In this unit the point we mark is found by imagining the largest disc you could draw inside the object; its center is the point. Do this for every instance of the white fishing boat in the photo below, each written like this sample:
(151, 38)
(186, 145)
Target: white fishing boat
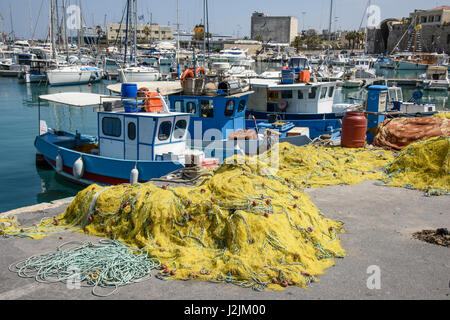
(436, 78)
(73, 75)
(242, 69)
(138, 74)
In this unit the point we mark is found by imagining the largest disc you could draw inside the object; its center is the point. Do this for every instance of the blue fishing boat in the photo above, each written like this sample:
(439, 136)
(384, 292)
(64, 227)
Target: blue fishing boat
(131, 145)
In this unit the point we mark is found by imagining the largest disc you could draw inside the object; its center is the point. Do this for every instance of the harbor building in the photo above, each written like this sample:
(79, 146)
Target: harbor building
(145, 33)
(432, 27)
(274, 29)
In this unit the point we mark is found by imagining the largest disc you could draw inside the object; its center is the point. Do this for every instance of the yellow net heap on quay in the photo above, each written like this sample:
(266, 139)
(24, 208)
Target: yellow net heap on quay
(249, 224)
(424, 165)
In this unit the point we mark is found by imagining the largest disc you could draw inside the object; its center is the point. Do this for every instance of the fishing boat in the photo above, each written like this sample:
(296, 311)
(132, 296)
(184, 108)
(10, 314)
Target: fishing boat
(436, 78)
(74, 75)
(132, 145)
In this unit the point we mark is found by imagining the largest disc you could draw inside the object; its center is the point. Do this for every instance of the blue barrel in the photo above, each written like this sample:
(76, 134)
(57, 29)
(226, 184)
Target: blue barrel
(132, 105)
(287, 76)
(129, 90)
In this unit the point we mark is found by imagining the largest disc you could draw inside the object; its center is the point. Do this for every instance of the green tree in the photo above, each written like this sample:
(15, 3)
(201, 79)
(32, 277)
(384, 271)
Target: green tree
(297, 43)
(259, 38)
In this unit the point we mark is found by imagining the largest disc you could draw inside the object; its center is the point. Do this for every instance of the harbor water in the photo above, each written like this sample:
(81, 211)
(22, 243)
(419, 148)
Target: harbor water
(23, 183)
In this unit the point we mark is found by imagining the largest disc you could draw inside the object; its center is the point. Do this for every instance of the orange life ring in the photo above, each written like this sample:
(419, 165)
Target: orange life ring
(189, 73)
(153, 102)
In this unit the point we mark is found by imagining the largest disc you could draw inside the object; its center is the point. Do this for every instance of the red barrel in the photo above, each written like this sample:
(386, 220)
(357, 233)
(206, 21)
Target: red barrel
(354, 128)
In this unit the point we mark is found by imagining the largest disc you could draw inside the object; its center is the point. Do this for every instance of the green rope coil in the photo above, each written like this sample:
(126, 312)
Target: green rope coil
(108, 264)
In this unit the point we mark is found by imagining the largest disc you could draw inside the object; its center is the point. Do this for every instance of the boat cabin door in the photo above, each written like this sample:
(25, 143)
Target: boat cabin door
(131, 139)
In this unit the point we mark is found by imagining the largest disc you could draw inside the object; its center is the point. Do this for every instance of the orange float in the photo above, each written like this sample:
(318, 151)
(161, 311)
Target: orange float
(153, 102)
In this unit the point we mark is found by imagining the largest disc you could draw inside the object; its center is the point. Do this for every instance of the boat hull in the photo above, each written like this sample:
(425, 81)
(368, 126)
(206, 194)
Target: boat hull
(402, 65)
(97, 169)
(139, 76)
(64, 78)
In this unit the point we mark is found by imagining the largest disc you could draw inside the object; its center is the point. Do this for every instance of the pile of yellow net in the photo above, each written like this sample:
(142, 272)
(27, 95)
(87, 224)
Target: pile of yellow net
(318, 166)
(249, 224)
(424, 165)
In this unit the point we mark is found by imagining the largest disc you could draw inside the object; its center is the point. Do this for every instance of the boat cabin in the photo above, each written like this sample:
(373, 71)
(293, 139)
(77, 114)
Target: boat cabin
(310, 98)
(223, 114)
(142, 135)
(298, 64)
(437, 73)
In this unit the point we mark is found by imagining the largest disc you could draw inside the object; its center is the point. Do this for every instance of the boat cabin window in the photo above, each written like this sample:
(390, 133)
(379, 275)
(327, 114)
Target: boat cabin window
(191, 107)
(111, 127)
(298, 63)
(164, 130)
(300, 94)
(312, 93)
(241, 106)
(330, 92)
(207, 108)
(131, 131)
(179, 106)
(272, 96)
(180, 129)
(229, 108)
(286, 94)
(323, 93)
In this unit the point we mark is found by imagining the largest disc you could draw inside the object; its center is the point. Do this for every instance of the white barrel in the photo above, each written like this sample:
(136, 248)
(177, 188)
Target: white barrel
(78, 168)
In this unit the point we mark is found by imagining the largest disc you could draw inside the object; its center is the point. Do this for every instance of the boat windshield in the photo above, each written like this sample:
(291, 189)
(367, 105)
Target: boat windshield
(298, 63)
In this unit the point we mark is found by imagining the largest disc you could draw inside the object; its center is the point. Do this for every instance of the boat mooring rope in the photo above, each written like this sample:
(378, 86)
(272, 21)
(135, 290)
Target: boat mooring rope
(108, 264)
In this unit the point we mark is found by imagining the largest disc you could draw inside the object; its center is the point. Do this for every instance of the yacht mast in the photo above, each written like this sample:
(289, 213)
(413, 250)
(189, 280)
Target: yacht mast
(135, 32)
(66, 42)
(178, 32)
(204, 28)
(329, 28)
(126, 32)
(52, 27)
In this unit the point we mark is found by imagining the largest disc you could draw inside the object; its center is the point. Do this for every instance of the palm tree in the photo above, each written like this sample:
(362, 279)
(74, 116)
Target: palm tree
(147, 31)
(297, 43)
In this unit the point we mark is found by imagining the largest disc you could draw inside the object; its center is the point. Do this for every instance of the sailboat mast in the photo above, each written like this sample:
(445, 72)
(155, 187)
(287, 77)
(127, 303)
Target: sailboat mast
(135, 32)
(329, 27)
(178, 31)
(126, 32)
(52, 27)
(66, 42)
(204, 27)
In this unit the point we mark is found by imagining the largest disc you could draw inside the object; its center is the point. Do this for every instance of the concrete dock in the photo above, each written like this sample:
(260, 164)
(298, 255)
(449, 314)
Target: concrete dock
(379, 223)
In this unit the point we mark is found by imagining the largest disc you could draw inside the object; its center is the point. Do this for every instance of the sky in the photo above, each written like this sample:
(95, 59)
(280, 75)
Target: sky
(226, 17)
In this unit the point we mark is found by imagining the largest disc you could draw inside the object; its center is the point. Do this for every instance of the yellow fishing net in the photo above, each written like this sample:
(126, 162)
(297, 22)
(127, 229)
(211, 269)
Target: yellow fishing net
(249, 224)
(424, 165)
(442, 115)
(318, 166)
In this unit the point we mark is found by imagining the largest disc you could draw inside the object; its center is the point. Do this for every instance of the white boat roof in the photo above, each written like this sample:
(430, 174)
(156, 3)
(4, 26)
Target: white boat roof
(77, 99)
(149, 114)
(276, 84)
(165, 87)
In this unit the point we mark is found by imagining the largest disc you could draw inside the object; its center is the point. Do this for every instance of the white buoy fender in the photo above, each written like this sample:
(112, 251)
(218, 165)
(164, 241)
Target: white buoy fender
(59, 163)
(78, 168)
(134, 176)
